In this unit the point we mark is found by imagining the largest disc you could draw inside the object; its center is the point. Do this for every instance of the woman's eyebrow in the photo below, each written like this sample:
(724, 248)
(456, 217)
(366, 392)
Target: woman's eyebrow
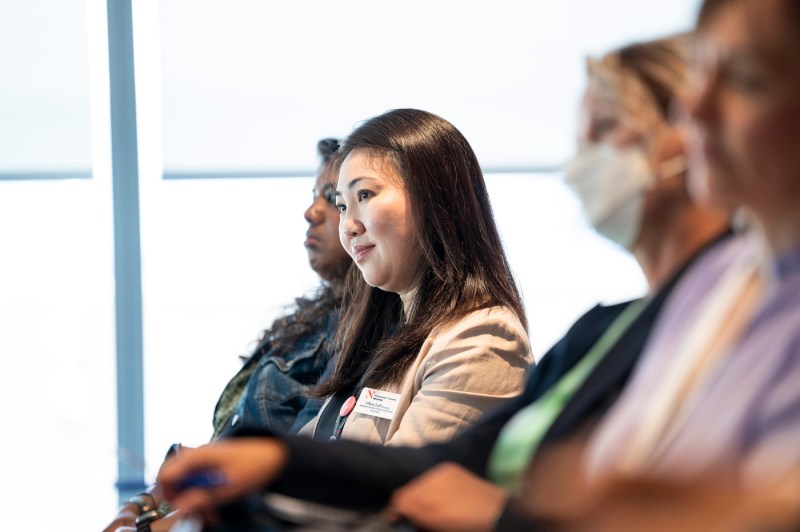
(354, 182)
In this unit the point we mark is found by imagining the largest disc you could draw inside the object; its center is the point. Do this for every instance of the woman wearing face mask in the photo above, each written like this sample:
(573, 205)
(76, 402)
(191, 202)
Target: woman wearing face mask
(457, 497)
(630, 171)
(271, 388)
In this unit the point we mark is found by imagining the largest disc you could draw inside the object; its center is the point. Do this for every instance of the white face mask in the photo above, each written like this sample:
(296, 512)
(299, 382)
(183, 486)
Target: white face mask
(611, 185)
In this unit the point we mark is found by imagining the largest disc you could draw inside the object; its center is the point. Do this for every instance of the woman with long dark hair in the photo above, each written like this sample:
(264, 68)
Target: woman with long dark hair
(433, 320)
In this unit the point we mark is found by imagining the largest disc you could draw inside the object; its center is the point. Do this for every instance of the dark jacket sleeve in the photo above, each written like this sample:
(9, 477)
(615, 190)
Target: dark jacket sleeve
(356, 475)
(352, 474)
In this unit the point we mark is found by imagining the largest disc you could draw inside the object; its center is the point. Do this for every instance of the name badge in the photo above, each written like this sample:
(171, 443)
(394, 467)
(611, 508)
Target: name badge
(377, 403)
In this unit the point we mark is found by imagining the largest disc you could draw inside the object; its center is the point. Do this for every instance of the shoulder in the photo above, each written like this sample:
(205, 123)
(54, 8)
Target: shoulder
(499, 320)
(462, 371)
(489, 330)
(596, 319)
(572, 347)
(706, 271)
(687, 299)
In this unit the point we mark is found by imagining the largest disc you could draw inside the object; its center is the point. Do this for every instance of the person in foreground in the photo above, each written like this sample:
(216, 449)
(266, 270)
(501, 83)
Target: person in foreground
(725, 416)
(668, 232)
(271, 388)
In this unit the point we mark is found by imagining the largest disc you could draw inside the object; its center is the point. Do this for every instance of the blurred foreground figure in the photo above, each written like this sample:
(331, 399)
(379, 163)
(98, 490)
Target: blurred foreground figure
(713, 412)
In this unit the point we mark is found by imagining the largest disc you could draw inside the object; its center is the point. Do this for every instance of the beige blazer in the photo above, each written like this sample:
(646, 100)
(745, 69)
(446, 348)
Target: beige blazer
(460, 372)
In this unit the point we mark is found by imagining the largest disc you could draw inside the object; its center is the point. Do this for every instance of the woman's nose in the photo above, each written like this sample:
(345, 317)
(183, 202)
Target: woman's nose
(314, 214)
(696, 100)
(349, 226)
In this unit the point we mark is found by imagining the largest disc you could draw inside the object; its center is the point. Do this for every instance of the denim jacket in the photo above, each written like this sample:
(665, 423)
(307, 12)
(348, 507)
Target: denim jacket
(270, 389)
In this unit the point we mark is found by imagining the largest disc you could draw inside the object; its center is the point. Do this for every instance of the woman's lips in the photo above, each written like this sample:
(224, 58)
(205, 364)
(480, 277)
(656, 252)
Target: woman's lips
(360, 251)
(311, 240)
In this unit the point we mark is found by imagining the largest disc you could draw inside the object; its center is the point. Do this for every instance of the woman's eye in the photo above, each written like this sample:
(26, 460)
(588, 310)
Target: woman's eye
(330, 197)
(340, 207)
(603, 126)
(746, 82)
(363, 194)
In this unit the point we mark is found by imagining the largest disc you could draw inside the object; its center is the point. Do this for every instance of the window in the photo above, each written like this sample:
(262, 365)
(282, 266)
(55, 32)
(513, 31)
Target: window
(56, 273)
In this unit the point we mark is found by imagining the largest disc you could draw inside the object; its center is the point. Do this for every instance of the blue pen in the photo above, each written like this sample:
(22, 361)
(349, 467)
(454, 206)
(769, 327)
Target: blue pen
(210, 478)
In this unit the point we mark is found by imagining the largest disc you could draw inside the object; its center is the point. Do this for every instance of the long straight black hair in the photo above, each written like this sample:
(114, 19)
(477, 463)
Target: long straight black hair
(464, 265)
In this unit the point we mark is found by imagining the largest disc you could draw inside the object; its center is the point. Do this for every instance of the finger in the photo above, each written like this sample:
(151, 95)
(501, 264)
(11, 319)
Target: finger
(404, 503)
(171, 471)
(389, 514)
(193, 500)
(397, 500)
(175, 470)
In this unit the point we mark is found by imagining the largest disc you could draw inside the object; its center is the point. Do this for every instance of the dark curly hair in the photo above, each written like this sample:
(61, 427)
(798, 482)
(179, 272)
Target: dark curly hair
(327, 148)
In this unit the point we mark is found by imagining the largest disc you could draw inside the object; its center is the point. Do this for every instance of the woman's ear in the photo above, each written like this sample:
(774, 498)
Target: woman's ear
(668, 157)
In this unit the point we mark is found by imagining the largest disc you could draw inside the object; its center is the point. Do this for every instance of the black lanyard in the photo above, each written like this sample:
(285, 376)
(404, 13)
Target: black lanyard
(344, 412)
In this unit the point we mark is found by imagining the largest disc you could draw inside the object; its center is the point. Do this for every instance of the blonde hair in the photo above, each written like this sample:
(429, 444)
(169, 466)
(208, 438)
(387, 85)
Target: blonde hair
(643, 79)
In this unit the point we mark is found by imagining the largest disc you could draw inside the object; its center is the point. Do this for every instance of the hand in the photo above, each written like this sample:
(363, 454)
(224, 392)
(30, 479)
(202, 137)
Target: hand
(245, 465)
(126, 516)
(166, 523)
(450, 498)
